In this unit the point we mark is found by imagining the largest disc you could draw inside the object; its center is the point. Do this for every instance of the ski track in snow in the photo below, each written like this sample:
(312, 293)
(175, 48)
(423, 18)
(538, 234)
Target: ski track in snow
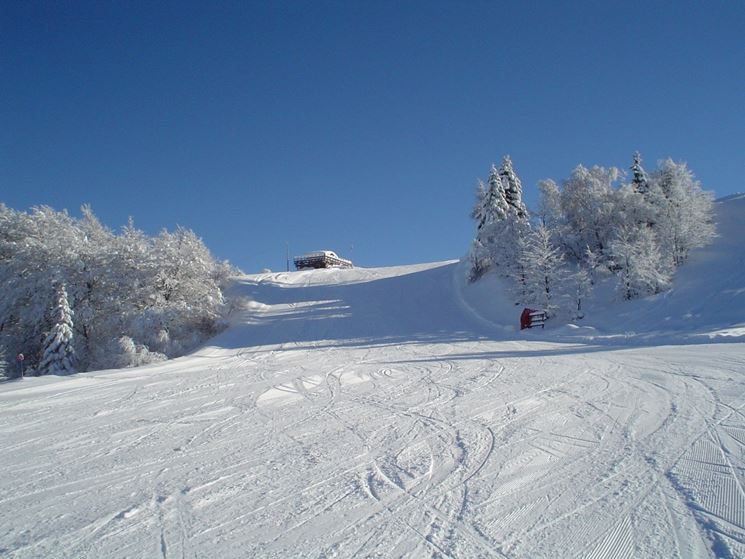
(363, 413)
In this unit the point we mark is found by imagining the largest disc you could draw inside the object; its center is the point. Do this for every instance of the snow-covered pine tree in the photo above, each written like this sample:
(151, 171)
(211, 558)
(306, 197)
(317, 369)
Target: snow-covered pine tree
(491, 204)
(59, 355)
(544, 269)
(635, 201)
(479, 208)
(639, 179)
(513, 189)
(490, 210)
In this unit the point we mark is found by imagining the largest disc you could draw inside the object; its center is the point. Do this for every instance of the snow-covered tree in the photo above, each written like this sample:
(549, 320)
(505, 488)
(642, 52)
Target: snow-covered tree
(639, 179)
(490, 209)
(653, 222)
(589, 210)
(59, 355)
(581, 288)
(491, 204)
(4, 374)
(591, 263)
(479, 260)
(639, 266)
(164, 293)
(684, 211)
(513, 190)
(544, 269)
(549, 204)
(499, 224)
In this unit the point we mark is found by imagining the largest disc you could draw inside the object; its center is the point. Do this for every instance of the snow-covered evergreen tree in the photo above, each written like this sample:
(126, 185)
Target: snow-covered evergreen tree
(478, 213)
(489, 212)
(59, 355)
(499, 224)
(639, 179)
(491, 204)
(513, 190)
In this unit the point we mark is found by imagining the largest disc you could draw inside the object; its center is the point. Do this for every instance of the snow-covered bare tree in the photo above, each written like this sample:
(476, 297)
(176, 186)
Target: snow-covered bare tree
(132, 354)
(639, 266)
(589, 210)
(59, 356)
(544, 268)
(478, 260)
(591, 263)
(581, 288)
(549, 204)
(4, 374)
(684, 211)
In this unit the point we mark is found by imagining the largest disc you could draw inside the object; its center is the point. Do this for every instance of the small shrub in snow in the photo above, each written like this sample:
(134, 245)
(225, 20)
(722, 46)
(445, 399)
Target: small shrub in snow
(132, 354)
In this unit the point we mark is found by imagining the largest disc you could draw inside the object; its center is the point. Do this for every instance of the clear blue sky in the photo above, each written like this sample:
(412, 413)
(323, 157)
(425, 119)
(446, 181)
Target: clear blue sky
(352, 124)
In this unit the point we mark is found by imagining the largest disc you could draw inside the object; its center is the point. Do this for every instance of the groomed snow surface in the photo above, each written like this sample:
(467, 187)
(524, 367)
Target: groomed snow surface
(372, 413)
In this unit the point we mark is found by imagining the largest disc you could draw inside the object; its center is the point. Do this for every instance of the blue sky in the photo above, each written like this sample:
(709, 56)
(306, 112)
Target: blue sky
(361, 127)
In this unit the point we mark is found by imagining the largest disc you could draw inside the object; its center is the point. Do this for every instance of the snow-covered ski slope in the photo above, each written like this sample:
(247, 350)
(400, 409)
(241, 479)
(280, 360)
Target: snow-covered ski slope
(370, 413)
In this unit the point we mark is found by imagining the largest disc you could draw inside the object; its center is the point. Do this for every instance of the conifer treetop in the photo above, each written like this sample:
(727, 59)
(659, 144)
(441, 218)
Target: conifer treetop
(512, 187)
(639, 180)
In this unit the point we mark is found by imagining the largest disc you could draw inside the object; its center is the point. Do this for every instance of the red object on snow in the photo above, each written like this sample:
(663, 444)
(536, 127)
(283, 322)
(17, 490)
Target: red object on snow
(525, 318)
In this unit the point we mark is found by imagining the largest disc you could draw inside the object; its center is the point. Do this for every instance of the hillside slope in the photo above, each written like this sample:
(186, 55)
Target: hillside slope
(369, 412)
(706, 302)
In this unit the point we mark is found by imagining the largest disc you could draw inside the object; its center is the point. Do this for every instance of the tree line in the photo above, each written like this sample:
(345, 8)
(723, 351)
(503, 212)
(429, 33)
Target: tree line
(78, 296)
(595, 224)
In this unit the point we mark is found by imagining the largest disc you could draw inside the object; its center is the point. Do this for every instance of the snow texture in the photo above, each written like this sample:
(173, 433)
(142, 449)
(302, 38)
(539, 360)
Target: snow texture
(372, 413)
